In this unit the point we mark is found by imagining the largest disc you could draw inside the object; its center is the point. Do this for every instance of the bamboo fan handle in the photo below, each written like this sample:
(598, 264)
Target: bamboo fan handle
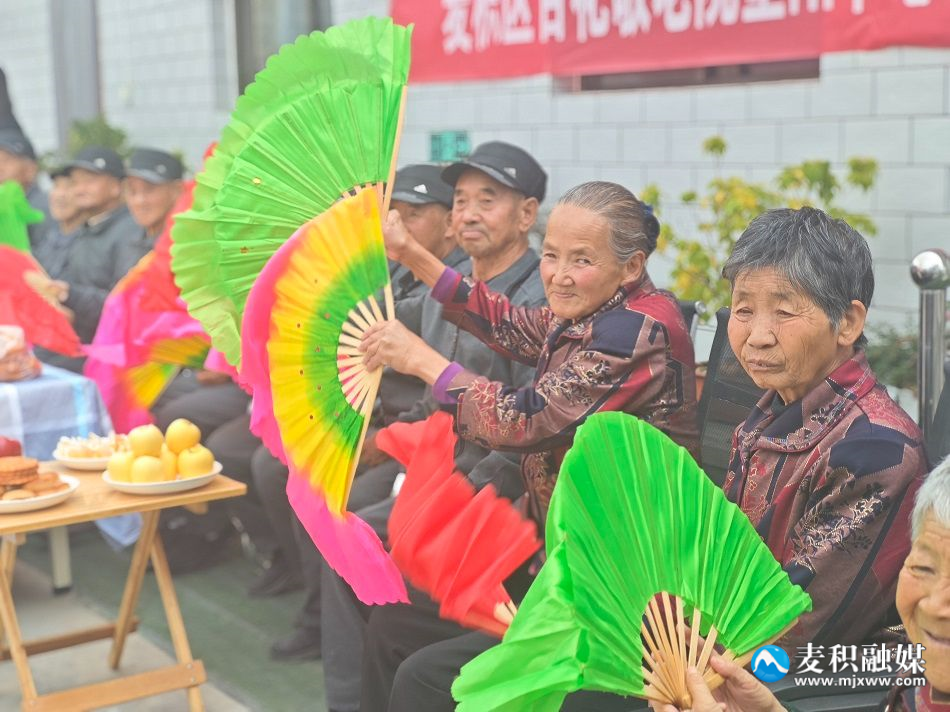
(505, 612)
(388, 192)
(667, 655)
(359, 385)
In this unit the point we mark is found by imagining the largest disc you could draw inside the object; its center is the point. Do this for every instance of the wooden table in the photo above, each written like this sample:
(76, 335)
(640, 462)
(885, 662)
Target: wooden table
(94, 499)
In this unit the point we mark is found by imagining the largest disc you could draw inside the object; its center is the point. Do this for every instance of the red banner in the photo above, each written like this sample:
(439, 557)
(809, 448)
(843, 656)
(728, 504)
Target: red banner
(485, 39)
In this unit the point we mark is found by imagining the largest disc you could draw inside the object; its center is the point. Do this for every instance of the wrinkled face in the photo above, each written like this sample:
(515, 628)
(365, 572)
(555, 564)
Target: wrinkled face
(780, 336)
(62, 201)
(428, 224)
(923, 600)
(578, 269)
(12, 167)
(150, 203)
(488, 217)
(95, 192)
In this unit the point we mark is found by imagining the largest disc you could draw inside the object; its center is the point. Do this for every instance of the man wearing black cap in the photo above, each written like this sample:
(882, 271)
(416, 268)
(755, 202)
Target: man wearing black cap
(496, 195)
(102, 251)
(152, 186)
(18, 163)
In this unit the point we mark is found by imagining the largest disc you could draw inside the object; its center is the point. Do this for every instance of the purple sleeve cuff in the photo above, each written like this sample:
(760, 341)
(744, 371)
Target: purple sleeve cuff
(445, 286)
(441, 384)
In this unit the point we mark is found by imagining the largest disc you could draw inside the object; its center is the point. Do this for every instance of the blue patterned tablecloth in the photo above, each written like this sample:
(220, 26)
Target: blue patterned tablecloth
(39, 411)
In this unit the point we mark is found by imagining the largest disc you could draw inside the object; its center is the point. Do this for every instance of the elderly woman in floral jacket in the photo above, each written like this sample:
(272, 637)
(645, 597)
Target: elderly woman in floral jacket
(609, 340)
(826, 465)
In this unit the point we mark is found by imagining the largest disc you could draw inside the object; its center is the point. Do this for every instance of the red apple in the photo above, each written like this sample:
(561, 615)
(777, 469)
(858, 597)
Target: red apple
(9, 447)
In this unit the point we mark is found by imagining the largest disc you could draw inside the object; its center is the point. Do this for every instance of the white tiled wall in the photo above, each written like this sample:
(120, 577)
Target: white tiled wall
(160, 78)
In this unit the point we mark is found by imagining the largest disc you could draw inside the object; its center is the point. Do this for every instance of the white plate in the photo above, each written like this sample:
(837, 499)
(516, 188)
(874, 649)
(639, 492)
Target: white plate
(163, 487)
(8, 506)
(94, 464)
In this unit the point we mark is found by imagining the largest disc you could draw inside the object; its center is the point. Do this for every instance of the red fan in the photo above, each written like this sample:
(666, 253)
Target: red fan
(43, 324)
(456, 545)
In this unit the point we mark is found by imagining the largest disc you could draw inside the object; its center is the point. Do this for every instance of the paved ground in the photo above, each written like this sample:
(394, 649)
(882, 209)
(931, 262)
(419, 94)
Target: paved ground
(41, 613)
(228, 631)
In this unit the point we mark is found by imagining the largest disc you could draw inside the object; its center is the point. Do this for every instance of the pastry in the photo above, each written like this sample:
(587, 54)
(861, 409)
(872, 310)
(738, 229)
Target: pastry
(17, 494)
(45, 483)
(17, 470)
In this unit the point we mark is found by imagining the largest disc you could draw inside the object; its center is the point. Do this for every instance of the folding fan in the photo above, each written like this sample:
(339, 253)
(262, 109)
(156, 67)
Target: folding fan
(454, 544)
(136, 352)
(15, 214)
(321, 119)
(313, 397)
(43, 323)
(648, 567)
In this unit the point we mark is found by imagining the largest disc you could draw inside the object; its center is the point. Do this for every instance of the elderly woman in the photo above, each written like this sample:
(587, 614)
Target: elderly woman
(923, 601)
(826, 464)
(609, 340)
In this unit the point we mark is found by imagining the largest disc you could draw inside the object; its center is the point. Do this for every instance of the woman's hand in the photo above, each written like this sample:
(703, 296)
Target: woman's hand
(389, 343)
(741, 692)
(397, 238)
(402, 247)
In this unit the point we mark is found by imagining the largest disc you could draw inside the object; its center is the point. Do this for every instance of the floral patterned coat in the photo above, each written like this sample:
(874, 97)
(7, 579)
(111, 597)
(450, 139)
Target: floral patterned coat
(829, 483)
(634, 354)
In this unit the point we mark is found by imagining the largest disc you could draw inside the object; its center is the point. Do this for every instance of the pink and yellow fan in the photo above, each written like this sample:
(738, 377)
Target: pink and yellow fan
(301, 330)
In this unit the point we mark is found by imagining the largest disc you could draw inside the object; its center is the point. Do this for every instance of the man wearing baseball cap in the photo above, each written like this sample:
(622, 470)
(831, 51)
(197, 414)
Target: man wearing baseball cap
(18, 163)
(153, 184)
(496, 194)
(101, 251)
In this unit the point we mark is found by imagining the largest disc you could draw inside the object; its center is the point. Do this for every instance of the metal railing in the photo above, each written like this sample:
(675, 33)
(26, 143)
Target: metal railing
(931, 271)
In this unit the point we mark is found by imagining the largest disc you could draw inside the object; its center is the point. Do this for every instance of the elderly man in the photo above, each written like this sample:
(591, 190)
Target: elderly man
(152, 186)
(497, 192)
(827, 464)
(102, 250)
(53, 249)
(18, 163)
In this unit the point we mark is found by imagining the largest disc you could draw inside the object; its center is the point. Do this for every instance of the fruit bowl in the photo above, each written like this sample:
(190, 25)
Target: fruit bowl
(166, 487)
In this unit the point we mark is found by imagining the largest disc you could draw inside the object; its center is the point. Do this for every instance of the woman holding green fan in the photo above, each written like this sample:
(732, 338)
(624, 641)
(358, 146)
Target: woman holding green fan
(923, 602)
(608, 341)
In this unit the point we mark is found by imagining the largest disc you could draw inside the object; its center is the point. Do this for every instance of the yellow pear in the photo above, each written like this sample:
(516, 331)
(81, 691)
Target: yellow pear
(146, 440)
(120, 466)
(147, 469)
(169, 463)
(182, 434)
(195, 461)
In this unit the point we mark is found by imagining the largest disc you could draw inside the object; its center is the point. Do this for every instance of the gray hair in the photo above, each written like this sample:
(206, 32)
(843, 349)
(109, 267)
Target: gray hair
(822, 257)
(633, 227)
(933, 499)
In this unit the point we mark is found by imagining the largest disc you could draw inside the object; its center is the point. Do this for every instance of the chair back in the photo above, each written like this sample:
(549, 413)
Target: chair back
(727, 399)
(938, 437)
(691, 312)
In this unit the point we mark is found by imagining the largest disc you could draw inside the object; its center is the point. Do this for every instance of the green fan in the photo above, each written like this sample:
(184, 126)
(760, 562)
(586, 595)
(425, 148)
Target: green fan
(319, 121)
(15, 214)
(648, 568)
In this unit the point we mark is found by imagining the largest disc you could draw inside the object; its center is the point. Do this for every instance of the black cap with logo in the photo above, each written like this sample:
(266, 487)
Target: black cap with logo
(422, 183)
(98, 159)
(154, 166)
(14, 142)
(509, 165)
